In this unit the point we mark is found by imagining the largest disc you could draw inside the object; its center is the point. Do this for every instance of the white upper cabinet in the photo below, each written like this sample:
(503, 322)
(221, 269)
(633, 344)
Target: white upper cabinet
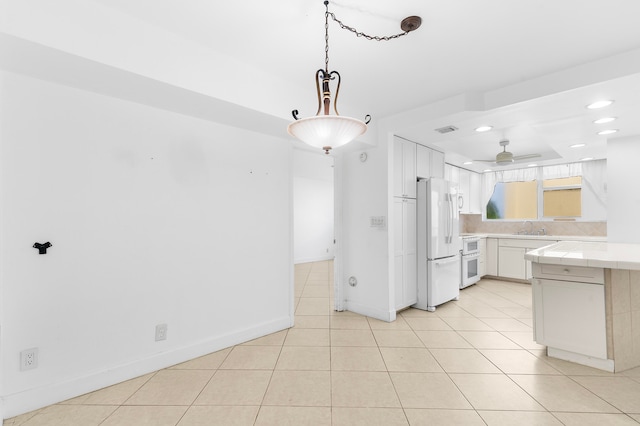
(423, 163)
(404, 168)
(464, 190)
(437, 164)
(475, 193)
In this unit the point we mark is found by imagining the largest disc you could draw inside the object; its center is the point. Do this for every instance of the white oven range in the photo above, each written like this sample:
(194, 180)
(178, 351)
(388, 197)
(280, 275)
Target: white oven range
(470, 261)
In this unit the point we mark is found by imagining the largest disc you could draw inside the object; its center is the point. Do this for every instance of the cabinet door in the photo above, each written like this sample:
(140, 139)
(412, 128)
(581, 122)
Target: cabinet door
(464, 190)
(406, 287)
(423, 162)
(492, 257)
(437, 164)
(475, 193)
(482, 259)
(398, 170)
(511, 263)
(570, 316)
(409, 169)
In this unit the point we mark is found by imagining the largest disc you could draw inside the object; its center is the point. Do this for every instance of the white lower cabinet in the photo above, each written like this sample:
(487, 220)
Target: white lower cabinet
(482, 259)
(512, 263)
(406, 282)
(570, 315)
(492, 257)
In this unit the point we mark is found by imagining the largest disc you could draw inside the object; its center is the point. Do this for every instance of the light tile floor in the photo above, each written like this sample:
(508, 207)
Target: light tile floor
(472, 362)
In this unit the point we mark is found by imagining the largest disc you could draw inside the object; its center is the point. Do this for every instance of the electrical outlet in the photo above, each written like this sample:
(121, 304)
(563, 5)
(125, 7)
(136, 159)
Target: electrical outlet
(161, 332)
(28, 359)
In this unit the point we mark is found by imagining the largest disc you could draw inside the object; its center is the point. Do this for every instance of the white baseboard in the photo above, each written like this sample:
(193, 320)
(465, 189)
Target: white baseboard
(33, 399)
(368, 311)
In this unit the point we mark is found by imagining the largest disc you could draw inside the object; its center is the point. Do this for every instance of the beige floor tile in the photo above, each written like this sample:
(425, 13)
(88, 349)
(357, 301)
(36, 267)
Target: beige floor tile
(397, 339)
(431, 417)
(595, 419)
(307, 337)
(507, 324)
(467, 324)
(573, 369)
(352, 338)
(560, 393)
(442, 339)
(621, 392)
(363, 390)
(428, 390)
(518, 361)
(494, 392)
(399, 324)
(463, 361)
(349, 323)
(345, 358)
(451, 310)
(112, 395)
(235, 387)
(64, 415)
(415, 313)
(313, 306)
(251, 358)
(304, 358)
(523, 339)
(411, 360)
(312, 321)
(316, 291)
(422, 323)
(299, 388)
(171, 387)
(273, 339)
(207, 362)
(343, 416)
(518, 312)
(636, 417)
(488, 340)
(294, 416)
(145, 416)
(519, 418)
(480, 310)
(220, 415)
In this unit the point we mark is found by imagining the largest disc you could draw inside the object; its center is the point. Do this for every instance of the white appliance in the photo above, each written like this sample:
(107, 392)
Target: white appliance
(438, 243)
(470, 261)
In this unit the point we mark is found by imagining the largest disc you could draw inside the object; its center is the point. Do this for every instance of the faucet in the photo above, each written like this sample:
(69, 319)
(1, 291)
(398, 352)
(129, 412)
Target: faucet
(542, 231)
(530, 227)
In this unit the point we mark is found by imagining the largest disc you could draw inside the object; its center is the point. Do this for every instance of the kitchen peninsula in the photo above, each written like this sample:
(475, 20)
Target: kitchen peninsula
(586, 302)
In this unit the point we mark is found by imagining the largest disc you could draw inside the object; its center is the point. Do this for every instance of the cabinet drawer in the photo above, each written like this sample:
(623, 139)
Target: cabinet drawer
(530, 244)
(569, 273)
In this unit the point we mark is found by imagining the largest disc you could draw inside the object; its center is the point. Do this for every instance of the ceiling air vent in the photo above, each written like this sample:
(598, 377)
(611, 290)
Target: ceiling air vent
(446, 129)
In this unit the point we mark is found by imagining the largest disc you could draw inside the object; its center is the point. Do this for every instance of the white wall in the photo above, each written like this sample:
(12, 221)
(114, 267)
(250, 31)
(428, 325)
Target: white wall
(313, 206)
(154, 217)
(623, 197)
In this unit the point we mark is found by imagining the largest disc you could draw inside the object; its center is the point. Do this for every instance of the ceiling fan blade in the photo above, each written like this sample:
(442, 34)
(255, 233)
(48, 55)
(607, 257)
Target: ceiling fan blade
(493, 160)
(525, 157)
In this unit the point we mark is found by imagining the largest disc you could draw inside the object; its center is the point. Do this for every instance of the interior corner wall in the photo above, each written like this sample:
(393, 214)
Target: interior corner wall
(154, 218)
(364, 248)
(623, 199)
(313, 207)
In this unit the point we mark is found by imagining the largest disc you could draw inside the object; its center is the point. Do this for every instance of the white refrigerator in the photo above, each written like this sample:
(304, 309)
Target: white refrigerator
(438, 243)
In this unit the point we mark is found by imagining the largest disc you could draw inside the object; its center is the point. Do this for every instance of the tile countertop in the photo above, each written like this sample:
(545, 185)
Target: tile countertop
(588, 253)
(540, 237)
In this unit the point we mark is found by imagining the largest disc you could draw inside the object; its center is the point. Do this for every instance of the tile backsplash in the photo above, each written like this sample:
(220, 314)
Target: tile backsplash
(472, 223)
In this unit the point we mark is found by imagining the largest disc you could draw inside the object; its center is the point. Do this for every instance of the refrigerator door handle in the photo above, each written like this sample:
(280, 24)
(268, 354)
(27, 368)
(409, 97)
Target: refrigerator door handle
(450, 219)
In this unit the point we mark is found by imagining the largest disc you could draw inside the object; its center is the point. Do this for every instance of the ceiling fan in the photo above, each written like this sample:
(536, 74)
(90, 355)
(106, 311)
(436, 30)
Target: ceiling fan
(505, 157)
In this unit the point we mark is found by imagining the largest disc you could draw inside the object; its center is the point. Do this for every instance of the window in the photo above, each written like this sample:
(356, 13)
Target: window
(549, 192)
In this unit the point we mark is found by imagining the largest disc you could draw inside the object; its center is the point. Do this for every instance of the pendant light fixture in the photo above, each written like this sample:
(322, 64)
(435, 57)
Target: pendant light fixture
(325, 130)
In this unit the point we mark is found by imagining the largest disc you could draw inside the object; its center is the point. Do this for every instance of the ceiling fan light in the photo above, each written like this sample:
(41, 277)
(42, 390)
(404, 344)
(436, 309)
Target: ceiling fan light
(599, 104)
(327, 131)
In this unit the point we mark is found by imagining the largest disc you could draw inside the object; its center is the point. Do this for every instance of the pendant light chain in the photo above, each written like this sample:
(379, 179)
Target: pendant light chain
(326, 37)
(358, 33)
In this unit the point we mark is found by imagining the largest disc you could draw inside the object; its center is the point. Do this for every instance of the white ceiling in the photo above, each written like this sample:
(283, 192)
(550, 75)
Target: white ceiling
(489, 49)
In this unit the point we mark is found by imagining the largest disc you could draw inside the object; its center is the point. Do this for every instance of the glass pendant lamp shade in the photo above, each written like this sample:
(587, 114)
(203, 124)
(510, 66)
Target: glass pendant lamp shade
(327, 131)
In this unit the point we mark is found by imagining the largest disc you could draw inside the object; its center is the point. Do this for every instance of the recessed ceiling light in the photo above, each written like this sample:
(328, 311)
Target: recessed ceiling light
(467, 163)
(483, 128)
(604, 120)
(487, 170)
(532, 165)
(608, 132)
(578, 145)
(599, 104)
(586, 159)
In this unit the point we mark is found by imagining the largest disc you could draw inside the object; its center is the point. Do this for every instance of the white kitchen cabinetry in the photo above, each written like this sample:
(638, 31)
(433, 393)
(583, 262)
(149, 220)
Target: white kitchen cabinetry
(475, 193)
(464, 191)
(437, 164)
(423, 162)
(482, 259)
(569, 309)
(404, 168)
(406, 287)
(511, 261)
(492, 257)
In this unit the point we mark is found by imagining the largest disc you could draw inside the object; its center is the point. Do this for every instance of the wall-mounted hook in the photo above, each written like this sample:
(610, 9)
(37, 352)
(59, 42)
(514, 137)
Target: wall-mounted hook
(42, 248)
